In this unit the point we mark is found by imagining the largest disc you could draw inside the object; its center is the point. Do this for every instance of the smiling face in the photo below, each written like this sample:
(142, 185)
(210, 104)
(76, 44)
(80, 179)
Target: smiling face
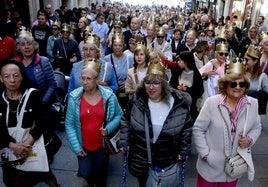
(236, 89)
(153, 87)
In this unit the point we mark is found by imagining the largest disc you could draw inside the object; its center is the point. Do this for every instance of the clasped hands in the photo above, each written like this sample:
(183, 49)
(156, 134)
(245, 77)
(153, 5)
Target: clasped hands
(20, 149)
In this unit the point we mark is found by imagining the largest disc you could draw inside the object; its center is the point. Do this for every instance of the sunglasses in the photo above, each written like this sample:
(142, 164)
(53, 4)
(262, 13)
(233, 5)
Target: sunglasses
(241, 84)
(65, 32)
(160, 36)
(225, 54)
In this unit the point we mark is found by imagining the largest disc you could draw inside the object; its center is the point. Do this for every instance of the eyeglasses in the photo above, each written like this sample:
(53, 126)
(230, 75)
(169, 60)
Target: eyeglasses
(87, 79)
(154, 84)
(65, 32)
(201, 35)
(15, 77)
(160, 36)
(225, 54)
(241, 84)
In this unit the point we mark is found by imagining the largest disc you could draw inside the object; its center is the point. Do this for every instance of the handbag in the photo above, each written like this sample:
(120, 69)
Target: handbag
(235, 166)
(111, 141)
(169, 176)
(52, 144)
(37, 159)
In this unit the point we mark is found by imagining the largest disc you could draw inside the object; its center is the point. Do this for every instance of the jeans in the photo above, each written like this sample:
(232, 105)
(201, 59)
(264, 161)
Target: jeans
(93, 166)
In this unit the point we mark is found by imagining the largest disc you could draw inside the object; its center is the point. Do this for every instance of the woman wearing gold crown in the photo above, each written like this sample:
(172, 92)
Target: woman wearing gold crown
(138, 72)
(226, 128)
(65, 51)
(91, 50)
(84, 123)
(214, 69)
(79, 32)
(165, 111)
(258, 79)
(117, 63)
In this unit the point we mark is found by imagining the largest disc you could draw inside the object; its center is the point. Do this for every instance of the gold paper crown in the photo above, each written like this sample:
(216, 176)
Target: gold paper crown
(222, 33)
(24, 32)
(57, 24)
(117, 37)
(161, 32)
(263, 37)
(118, 23)
(254, 52)
(222, 47)
(140, 45)
(85, 20)
(91, 38)
(93, 64)
(66, 27)
(151, 25)
(156, 67)
(235, 65)
(211, 27)
(229, 27)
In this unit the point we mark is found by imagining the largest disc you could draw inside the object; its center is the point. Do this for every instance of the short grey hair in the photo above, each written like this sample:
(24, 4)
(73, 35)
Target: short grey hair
(19, 40)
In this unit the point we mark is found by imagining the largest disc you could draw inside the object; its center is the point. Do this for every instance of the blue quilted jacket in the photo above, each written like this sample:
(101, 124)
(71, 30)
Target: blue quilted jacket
(72, 121)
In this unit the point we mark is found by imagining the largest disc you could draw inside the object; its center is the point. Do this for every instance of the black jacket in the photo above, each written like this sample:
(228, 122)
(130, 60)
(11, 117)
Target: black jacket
(174, 139)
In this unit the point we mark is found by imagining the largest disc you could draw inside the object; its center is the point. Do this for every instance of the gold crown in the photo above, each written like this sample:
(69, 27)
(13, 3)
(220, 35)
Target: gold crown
(210, 27)
(263, 37)
(140, 45)
(85, 20)
(137, 38)
(151, 25)
(91, 38)
(253, 51)
(235, 65)
(222, 47)
(118, 38)
(222, 33)
(118, 23)
(161, 32)
(229, 27)
(93, 64)
(57, 23)
(24, 32)
(66, 27)
(156, 67)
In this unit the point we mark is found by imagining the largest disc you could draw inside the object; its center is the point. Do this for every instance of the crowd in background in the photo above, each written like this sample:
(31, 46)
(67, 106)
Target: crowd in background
(123, 40)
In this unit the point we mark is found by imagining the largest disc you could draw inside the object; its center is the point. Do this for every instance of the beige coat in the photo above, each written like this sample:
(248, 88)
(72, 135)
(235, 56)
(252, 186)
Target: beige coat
(208, 136)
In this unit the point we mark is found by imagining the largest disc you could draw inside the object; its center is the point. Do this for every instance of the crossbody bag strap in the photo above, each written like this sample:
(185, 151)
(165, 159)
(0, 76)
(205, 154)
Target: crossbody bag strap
(227, 148)
(63, 46)
(21, 114)
(112, 61)
(148, 144)
(105, 113)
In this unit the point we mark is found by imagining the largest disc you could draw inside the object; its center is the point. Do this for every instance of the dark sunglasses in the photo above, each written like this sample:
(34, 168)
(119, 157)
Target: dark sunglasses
(225, 54)
(241, 84)
(160, 36)
(65, 32)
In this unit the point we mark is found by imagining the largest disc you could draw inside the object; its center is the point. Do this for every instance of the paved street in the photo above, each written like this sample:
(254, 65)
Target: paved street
(65, 166)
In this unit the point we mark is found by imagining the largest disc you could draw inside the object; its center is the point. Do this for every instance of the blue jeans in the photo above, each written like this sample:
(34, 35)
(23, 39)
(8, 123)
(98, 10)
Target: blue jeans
(93, 166)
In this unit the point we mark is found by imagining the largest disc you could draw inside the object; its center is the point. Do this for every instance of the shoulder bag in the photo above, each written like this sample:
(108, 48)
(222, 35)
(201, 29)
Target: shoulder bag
(164, 177)
(111, 141)
(235, 166)
(37, 159)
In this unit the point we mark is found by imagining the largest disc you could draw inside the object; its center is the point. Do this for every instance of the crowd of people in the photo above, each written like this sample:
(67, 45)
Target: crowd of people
(161, 75)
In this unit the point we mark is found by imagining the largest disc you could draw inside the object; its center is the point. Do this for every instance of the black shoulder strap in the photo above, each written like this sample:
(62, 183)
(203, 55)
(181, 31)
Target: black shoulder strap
(112, 61)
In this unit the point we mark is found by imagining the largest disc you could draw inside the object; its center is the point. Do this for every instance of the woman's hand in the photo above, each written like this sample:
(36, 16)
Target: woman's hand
(20, 149)
(81, 153)
(103, 131)
(73, 59)
(244, 142)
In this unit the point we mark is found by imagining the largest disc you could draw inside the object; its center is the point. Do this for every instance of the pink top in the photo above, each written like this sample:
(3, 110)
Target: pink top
(209, 66)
